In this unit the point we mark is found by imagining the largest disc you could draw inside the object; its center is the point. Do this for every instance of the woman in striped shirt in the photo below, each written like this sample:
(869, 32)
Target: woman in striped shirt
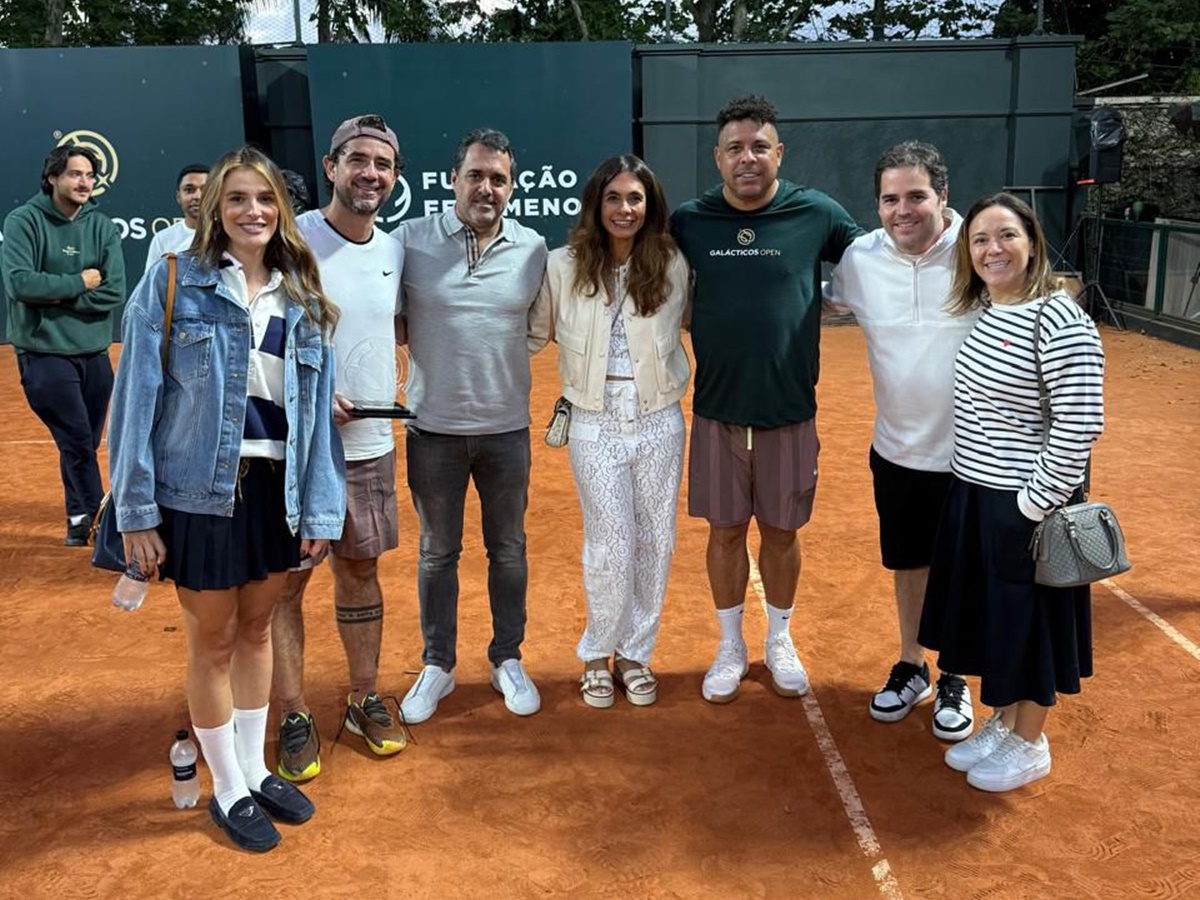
(983, 612)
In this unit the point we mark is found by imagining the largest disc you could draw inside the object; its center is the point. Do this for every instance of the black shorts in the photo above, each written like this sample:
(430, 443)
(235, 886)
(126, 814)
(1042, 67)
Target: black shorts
(909, 503)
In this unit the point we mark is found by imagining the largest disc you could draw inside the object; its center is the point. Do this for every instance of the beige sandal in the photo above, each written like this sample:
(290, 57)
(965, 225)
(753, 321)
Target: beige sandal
(638, 682)
(596, 686)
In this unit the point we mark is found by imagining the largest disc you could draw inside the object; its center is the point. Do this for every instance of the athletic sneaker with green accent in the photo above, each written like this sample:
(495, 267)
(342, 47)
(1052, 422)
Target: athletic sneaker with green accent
(299, 748)
(371, 721)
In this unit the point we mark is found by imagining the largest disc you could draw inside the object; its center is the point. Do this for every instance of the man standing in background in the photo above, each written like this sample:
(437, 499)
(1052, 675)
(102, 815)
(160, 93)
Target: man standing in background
(64, 275)
(188, 187)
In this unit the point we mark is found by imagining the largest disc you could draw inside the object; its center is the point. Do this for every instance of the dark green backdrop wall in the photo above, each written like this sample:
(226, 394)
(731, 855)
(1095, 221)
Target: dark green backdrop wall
(565, 107)
(147, 111)
(1001, 112)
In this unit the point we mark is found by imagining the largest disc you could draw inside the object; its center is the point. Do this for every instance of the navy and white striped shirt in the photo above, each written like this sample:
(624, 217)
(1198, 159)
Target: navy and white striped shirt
(266, 427)
(998, 425)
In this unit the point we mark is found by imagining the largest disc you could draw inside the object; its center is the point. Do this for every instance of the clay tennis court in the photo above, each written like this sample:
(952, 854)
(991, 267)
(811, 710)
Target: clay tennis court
(762, 798)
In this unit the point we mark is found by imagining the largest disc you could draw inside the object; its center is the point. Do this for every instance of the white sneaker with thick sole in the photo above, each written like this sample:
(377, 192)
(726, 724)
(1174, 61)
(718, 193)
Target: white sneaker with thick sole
(961, 757)
(953, 717)
(1015, 763)
(520, 693)
(724, 676)
(788, 677)
(422, 698)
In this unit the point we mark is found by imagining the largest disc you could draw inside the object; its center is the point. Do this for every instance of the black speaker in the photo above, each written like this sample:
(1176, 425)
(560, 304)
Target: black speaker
(1099, 142)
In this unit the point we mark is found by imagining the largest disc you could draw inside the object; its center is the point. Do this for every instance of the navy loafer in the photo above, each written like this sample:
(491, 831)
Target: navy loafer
(283, 801)
(246, 825)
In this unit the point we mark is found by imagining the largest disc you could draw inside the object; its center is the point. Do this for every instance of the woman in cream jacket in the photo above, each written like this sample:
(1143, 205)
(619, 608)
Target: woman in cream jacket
(613, 300)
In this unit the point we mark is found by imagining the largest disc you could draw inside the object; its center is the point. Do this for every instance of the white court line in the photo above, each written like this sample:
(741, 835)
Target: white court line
(851, 802)
(1153, 618)
(39, 441)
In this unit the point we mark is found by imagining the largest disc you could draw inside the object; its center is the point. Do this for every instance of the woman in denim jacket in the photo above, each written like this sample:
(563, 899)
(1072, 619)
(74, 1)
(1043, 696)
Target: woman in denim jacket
(613, 299)
(226, 468)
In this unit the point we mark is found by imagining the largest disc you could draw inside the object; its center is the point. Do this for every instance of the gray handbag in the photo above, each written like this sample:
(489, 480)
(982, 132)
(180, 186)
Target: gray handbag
(1078, 543)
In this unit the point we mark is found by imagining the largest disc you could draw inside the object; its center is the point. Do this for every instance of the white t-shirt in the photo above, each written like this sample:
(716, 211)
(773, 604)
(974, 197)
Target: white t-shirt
(174, 239)
(364, 281)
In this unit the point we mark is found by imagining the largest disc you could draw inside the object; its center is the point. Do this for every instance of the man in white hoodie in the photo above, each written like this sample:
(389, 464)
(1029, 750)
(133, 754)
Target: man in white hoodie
(896, 281)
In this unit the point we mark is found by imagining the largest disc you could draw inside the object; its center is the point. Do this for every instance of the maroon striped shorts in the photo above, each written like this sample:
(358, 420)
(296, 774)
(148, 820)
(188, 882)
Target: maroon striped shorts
(735, 472)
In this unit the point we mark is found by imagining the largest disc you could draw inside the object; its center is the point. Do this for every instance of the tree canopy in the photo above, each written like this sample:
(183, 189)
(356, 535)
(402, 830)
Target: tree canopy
(108, 23)
(1123, 38)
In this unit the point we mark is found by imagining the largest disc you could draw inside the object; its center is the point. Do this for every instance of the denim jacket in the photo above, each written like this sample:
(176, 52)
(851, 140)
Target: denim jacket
(175, 439)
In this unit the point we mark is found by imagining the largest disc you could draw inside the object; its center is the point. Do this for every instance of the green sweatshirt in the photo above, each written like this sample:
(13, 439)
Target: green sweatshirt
(756, 311)
(41, 259)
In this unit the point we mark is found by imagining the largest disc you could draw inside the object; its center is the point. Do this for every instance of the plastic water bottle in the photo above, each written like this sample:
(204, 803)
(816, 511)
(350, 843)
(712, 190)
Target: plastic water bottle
(185, 786)
(131, 589)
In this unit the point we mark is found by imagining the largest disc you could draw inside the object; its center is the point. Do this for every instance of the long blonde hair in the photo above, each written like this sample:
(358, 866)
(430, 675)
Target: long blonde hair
(967, 291)
(286, 250)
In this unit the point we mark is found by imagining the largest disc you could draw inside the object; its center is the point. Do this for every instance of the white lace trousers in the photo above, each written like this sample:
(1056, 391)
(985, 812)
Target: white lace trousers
(628, 468)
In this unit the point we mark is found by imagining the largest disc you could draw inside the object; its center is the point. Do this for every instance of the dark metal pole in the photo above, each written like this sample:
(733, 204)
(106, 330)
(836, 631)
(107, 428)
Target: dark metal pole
(667, 20)
(877, 27)
(1040, 26)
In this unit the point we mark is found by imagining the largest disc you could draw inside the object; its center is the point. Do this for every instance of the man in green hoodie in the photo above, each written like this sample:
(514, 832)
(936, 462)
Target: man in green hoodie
(64, 277)
(755, 243)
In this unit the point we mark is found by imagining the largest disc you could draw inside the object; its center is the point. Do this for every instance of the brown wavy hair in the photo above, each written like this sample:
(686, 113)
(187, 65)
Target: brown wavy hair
(967, 291)
(286, 250)
(648, 282)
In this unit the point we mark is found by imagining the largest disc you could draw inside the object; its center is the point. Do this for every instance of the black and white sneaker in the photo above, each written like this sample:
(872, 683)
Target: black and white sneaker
(906, 686)
(953, 717)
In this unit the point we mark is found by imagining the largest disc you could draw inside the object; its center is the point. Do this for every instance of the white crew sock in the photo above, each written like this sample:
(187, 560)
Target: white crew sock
(731, 623)
(217, 744)
(778, 620)
(250, 739)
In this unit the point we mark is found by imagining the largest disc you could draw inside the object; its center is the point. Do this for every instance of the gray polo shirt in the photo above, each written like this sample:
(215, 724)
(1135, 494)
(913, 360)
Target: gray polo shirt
(469, 370)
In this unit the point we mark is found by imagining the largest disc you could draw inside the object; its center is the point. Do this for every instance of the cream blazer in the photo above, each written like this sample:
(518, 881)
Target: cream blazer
(580, 327)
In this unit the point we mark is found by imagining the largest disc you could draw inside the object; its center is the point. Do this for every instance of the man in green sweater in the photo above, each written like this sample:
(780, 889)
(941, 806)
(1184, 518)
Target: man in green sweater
(64, 277)
(755, 243)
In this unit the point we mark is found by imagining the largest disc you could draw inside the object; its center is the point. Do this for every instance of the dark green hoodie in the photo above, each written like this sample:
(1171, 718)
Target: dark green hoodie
(756, 311)
(41, 259)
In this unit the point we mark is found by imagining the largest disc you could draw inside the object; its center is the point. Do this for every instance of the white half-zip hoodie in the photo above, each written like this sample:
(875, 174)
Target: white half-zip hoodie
(900, 302)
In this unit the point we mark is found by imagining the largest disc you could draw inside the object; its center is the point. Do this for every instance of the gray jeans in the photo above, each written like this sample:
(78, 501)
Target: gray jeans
(439, 468)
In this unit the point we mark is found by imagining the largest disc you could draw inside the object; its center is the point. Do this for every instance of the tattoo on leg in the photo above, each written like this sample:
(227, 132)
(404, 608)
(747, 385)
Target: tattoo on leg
(355, 615)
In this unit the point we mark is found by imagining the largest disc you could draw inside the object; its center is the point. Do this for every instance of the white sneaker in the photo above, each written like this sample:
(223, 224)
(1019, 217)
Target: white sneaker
(725, 675)
(520, 694)
(1015, 763)
(953, 718)
(962, 757)
(787, 672)
(422, 698)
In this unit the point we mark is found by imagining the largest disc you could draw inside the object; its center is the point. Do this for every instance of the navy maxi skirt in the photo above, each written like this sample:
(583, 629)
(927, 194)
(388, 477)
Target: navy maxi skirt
(984, 614)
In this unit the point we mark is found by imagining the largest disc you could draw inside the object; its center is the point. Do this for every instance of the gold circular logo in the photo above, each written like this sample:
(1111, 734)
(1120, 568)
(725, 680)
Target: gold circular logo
(104, 151)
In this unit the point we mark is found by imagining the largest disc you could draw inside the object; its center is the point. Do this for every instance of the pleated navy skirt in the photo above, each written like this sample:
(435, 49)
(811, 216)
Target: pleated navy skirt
(984, 614)
(213, 553)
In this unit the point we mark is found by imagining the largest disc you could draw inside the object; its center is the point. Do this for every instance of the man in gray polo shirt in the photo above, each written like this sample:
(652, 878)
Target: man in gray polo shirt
(470, 277)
